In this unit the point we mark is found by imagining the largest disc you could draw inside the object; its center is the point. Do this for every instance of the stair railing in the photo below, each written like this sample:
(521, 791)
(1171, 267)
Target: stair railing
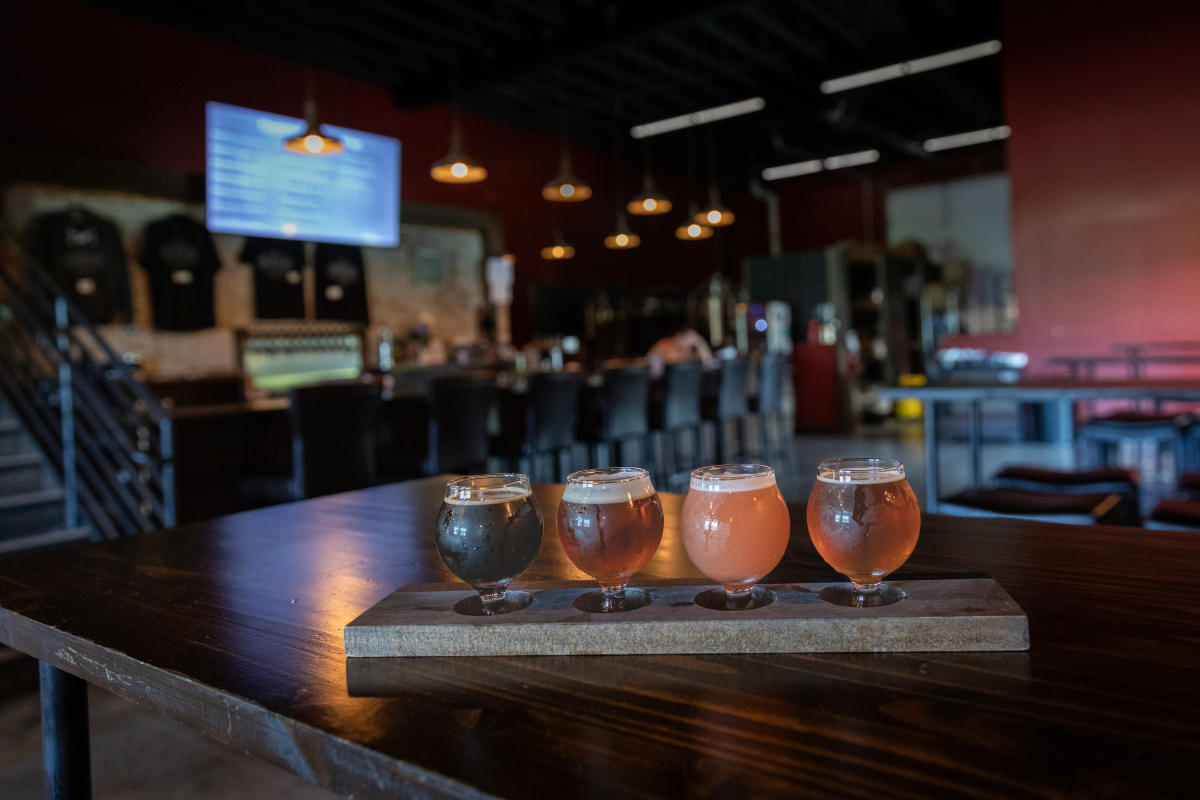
(106, 434)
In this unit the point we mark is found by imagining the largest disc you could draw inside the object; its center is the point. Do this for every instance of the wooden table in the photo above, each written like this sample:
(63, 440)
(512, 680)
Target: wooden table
(234, 627)
(1063, 394)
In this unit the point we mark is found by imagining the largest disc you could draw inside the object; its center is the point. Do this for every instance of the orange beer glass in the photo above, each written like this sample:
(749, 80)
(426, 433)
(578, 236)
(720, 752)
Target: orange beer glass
(864, 521)
(735, 529)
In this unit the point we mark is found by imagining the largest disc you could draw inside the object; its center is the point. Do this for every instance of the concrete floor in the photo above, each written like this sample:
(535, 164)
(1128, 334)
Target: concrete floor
(140, 754)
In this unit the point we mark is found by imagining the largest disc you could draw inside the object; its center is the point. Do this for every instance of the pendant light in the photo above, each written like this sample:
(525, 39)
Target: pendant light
(559, 251)
(650, 202)
(457, 166)
(691, 229)
(565, 187)
(312, 142)
(694, 226)
(714, 214)
(622, 238)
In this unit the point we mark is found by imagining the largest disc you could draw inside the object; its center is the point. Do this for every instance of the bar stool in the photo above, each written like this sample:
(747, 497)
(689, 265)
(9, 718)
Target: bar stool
(678, 437)
(458, 414)
(1098, 437)
(772, 433)
(625, 418)
(732, 408)
(551, 401)
(1111, 480)
(333, 445)
(1065, 507)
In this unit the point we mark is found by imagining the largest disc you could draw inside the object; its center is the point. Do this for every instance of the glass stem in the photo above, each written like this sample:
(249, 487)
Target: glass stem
(613, 595)
(864, 592)
(493, 602)
(738, 598)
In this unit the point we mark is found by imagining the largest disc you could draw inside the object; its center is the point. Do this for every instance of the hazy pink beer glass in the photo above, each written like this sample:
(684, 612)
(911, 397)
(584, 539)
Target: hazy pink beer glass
(864, 521)
(610, 523)
(735, 529)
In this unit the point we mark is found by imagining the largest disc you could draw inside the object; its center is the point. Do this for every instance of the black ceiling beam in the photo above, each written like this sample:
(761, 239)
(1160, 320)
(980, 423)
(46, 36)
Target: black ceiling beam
(704, 61)
(759, 56)
(591, 31)
(479, 12)
(450, 31)
(830, 22)
(776, 27)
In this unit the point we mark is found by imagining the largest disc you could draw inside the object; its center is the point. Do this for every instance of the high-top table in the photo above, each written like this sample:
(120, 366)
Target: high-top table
(1062, 394)
(234, 627)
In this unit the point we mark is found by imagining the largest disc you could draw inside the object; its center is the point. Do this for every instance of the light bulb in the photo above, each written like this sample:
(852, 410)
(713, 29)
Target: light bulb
(557, 251)
(312, 143)
(622, 239)
(458, 169)
(714, 216)
(649, 204)
(693, 230)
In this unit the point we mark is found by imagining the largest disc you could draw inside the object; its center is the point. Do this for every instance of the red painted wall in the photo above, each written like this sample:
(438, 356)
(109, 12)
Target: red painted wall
(1104, 102)
(87, 81)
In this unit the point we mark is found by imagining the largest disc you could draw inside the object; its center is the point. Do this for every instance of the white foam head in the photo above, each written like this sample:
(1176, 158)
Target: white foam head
(860, 471)
(733, 478)
(482, 490)
(505, 494)
(600, 487)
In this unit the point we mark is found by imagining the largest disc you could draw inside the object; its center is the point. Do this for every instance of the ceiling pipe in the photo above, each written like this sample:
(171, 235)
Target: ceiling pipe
(774, 232)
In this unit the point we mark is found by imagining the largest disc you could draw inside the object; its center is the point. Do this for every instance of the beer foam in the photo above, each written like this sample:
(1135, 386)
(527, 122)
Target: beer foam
(733, 483)
(866, 479)
(502, 494)
(615, 487)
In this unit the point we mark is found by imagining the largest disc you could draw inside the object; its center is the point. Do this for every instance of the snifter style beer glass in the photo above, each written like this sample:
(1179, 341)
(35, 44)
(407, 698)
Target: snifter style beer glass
(864, 521)
(610, 523)
(735, 529)
(489, 529)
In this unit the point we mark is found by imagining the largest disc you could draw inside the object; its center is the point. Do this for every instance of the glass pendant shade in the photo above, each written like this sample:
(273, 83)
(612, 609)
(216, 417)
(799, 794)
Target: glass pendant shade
(312, 142)
(457, 166)
(716, 215)
(558, 252)
(566, 188)
(650, 202)
(622, 240)
(692, 230)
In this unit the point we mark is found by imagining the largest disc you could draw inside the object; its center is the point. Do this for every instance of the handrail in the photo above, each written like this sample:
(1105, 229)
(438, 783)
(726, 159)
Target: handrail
(108, 436)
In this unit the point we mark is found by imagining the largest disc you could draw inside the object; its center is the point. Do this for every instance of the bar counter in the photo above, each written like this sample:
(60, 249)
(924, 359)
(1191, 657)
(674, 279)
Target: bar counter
(234, 627)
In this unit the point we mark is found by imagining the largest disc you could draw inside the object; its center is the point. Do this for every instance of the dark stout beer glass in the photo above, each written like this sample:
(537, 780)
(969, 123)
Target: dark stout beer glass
(489, 529)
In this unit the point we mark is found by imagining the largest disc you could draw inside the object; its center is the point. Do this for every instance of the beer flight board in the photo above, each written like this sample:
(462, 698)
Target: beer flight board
(953, 614)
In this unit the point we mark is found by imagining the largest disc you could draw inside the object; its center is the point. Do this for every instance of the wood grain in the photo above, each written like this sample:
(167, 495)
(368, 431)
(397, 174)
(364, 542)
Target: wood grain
(234, 626)
(959, 614)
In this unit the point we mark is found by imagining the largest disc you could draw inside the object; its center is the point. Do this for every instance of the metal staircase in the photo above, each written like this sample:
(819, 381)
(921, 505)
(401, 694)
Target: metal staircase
(86, 450)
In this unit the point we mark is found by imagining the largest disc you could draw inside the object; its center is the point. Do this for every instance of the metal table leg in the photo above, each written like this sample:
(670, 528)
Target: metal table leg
(931, 451)
(66, 755)
(975, 441)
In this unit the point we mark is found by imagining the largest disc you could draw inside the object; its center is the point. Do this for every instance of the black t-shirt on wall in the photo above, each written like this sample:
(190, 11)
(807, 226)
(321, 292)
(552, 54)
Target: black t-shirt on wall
(180, 261)
(341, 283)
(278, 277)
(84, 255)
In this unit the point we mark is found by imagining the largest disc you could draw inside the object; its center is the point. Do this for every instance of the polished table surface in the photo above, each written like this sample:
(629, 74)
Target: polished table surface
(234, 626)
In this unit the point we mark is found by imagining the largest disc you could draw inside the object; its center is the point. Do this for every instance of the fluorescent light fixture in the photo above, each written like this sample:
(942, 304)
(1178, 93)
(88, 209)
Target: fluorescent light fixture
(817, 165)
(852, 159)
(967, 139)
(925, 64)
(698, 118)
(792, 170)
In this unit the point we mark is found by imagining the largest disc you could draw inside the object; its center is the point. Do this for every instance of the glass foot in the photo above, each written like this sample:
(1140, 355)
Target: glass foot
(599, 603)
(512, 601)
(720, 600)
(847, 594)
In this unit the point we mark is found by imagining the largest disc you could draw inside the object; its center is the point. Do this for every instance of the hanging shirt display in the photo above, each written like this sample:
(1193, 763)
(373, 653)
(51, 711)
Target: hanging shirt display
(84, 255)
(341, 283)
(180, 261)
(278, 277)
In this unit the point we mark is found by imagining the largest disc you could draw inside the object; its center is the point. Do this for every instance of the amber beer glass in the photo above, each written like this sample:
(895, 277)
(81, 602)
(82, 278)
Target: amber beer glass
(735, 529)
(610, 523)
(489, 529)
(864, 521)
